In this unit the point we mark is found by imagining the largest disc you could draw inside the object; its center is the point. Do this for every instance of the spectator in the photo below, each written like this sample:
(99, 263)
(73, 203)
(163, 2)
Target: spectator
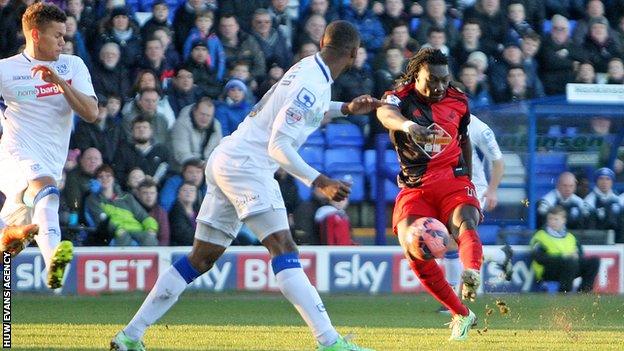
(146, 107)
(600, 45)
(192, 172)
(470, 42)
(558, 256)
(494, 25)
(436, 38)
(529, 46)
(305, 50)
(604, 204)
(155, 60)
(615, 71)
(313, 30)
(184, 20)
(148, 198)
(583, 187)
(183, 91)
(283, 19)
(499, 71)
(84, 17)
(80, 181)
(159, 19)
(435, 17)
(275, 74)
(393, 68)
(109, 76)
(119, 29)
(68, 46)
(558, 57)
(479, 60)
(518, 88)
(135, 177)
(239, 45)
(477, 92)
(196, 133)
(334, 224)
(203, 75)
(594, 11)
(171, 53)
(104, 134)
(393, 15)
(78, 39)
(319, 7)
(243, 10)
(355, 81)
(518, 25)
(399, 36)
(204, 32)
(143, 152)
(577, 210)
(241, 71)
(182, 216)
(147, 79)
(367, 23)
(119, 213)
(585, 73)
(234, 107)
(272, 42)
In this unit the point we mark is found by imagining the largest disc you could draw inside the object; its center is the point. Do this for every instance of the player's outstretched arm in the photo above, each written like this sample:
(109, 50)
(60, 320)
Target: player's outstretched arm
(85, 106)
(390, 117)
(360, 105)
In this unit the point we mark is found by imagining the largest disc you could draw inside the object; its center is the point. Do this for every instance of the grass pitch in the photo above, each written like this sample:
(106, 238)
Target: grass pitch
(246, 321)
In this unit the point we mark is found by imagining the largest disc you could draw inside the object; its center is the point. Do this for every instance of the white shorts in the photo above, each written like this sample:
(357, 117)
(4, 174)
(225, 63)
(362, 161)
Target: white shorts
(235, 192)
(19, 167)
(481, 196)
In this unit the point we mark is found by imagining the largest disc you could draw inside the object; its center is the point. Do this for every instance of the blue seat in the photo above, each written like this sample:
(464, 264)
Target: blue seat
(488, 233)
(305, 192)
(343, 135)
(316, 139)
(547, 26)
(392, 164)
(414, 23)
(313, 155)
(344, 160)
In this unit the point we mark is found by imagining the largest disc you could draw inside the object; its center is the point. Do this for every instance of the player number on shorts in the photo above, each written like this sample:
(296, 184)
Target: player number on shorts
(471, 192)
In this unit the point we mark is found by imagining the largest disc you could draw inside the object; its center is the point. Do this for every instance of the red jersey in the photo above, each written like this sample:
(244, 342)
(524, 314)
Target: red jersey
(422, 159)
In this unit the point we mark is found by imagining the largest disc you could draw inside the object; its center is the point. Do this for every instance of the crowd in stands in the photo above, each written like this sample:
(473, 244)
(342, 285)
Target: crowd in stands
(173, 77)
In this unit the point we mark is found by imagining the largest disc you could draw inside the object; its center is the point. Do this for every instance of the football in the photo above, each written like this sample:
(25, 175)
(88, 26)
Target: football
(427, 238)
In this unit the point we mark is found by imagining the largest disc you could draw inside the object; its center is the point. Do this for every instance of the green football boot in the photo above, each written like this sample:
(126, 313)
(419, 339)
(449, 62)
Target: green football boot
(460, 325)
(342, 344)
(121, 342)
(62, 255)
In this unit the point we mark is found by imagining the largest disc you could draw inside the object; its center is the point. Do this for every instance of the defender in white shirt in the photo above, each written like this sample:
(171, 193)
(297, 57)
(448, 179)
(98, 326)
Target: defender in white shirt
(41, 89)
(241, 188)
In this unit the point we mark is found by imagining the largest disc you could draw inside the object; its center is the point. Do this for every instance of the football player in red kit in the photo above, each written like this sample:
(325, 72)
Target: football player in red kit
(428, 123)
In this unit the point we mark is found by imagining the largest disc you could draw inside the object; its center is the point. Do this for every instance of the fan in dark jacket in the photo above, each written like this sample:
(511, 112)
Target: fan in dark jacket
(109, 76)
(182, 217)
(105, 134)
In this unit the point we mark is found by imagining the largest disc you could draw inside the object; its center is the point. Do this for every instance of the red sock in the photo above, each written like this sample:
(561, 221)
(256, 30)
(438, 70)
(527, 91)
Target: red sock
(433, 280)
(470, 250)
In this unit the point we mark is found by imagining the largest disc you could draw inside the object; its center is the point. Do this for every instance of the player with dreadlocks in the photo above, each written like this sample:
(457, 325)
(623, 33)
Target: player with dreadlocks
(428, 122)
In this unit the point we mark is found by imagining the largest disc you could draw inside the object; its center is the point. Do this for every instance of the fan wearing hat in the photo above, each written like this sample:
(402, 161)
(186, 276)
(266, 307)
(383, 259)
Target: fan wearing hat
(234, 107)
(605, 205)
(119, 29)
(600, 45)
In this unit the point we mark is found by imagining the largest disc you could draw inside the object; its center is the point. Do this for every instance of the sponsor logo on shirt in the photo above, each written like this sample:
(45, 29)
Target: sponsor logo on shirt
(434, 145)
(22, 78)
(305, 98)
(294, 115)
(48, 89)
(392, 100)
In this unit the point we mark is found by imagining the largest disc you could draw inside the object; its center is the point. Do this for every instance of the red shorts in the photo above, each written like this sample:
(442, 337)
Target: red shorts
(437, 200)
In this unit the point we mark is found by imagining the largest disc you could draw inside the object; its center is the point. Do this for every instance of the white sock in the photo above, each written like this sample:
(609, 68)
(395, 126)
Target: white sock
(453, 270)
(164, 294)
(296, 287)
(46, 216)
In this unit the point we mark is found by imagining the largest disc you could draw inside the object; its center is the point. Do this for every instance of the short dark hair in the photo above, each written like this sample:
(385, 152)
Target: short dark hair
(469, 66)
(40, 14)
(149, 90)
(557, 210)
(104, 168)
(192, 162)
(435, 29)
(425, 56)
(147, 183)
(516, 67)
(471, 21)
(341, 36)
(140, 119)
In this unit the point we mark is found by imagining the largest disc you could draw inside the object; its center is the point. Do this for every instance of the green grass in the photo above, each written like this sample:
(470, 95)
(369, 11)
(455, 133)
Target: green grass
(245, 321)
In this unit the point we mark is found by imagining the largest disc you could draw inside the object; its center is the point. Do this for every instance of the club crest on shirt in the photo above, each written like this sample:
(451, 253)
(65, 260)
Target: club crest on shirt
(434, 145)
(62, 68)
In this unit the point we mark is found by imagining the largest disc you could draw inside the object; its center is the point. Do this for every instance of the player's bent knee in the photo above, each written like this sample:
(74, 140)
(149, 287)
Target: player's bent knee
(50, 191)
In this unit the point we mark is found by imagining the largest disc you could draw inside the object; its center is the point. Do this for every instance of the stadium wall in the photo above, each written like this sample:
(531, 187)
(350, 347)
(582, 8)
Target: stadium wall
(360, 269)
